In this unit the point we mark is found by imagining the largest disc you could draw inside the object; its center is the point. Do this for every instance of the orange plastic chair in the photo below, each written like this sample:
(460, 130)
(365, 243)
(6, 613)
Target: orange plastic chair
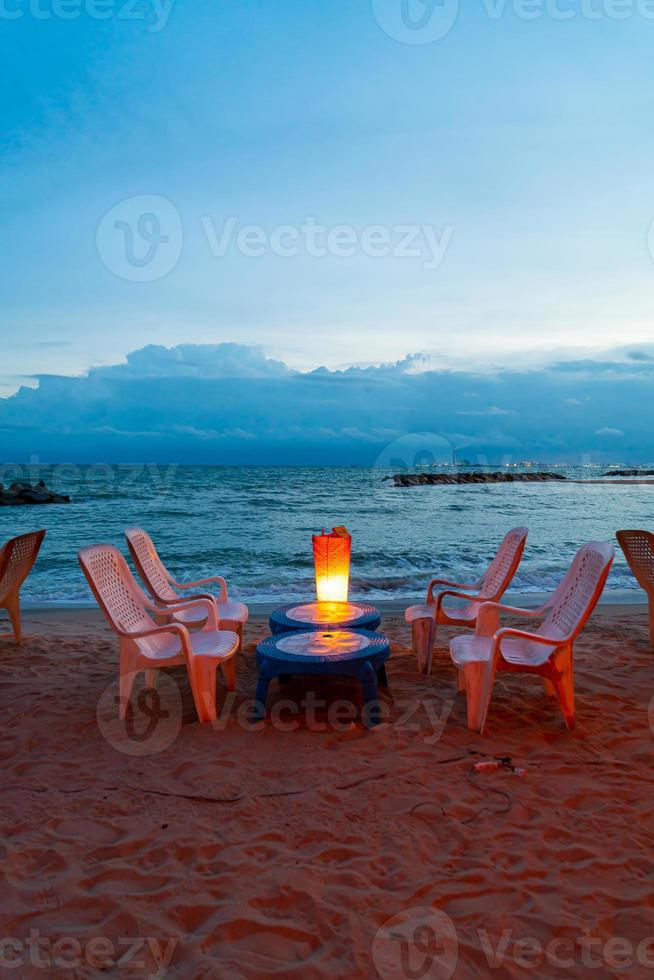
(161, 586)
(17, 558)
(489, 588)
(547, 652)
(638, 547)
(146, 646)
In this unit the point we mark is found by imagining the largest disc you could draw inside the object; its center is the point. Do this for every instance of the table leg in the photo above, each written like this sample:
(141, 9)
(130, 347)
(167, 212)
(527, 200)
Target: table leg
(371, 713)
(261, 695)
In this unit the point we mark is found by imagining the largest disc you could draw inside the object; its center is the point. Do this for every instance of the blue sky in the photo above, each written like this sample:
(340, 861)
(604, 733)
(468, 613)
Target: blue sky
(516, 149)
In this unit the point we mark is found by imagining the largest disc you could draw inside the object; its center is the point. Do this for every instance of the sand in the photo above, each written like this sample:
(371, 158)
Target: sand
(283, 852)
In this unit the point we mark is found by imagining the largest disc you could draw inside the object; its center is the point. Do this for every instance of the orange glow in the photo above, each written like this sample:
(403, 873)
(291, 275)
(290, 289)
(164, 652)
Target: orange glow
(331, 558)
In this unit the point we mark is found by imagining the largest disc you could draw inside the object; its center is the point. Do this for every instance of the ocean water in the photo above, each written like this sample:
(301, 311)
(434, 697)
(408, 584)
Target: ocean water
(254, 525)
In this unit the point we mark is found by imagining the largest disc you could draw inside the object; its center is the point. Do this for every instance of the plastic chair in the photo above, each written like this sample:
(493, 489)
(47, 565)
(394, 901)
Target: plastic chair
(17, 558)
(547, 652)
(489, 588)
(161, 586)
(146, 646)
(638, 547)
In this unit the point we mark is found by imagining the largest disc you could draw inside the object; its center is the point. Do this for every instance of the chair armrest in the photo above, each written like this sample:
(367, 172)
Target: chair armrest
(443, 581)
(452, 594)
(184, 586)
(207, 603)
(184, 600)
(516, 610)
(488, 617)
(177, 628)
(547, 641)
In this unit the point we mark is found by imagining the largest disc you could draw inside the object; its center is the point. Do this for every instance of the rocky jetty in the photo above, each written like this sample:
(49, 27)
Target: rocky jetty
(20, 494)
(438, 479)
(630, 473)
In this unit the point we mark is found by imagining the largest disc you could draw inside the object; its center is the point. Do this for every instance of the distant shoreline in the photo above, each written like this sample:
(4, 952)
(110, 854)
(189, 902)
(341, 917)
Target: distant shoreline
(409, 480)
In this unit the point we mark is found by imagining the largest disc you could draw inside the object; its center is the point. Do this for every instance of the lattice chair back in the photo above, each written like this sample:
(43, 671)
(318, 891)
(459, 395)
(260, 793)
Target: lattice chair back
(497, 577)
(638, 548)
(17, 559)
(149, 565)
(578, 594)
(116, 590)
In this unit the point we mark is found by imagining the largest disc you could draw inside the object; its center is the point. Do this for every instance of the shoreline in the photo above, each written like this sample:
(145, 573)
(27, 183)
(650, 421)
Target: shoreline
(526, 600)
(75, 619)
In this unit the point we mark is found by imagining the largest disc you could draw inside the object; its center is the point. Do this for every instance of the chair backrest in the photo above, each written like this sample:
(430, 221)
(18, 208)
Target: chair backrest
(571, 605)
(638, 547)
(149, 565)
(116, 590)
(497, 577)
(17, 559)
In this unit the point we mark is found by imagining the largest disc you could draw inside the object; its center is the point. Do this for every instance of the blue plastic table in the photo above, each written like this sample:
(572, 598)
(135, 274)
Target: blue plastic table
(338, 652)
(324, 616)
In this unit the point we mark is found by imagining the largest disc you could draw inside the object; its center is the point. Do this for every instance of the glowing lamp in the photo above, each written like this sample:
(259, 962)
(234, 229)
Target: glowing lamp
(331, 559)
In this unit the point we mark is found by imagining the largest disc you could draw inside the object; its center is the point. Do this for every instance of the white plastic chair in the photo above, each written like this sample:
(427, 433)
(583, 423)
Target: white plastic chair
(547, 652)
(489, 588)
(17, 558)
(161, 586)
(638, 548)
(145, 646)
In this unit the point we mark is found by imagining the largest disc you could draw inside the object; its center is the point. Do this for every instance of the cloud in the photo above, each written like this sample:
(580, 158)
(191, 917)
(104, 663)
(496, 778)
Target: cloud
(231, 403)
(195, 361)
(607, 430)
(493, 410)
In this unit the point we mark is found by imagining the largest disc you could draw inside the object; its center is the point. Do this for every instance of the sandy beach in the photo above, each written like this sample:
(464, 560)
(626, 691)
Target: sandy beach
(282, 850)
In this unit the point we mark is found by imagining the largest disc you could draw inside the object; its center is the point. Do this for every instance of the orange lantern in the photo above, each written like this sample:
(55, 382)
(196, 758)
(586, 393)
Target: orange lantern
(331, 559)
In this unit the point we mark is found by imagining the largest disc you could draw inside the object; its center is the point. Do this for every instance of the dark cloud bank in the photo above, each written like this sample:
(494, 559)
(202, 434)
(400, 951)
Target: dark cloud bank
(228, 403)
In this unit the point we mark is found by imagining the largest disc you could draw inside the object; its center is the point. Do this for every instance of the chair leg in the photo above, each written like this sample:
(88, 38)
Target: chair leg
(460, 680)
(651, 619)
(480, 678)
(423, 635)
(202, 675)
(550, 690)
(563, 680)
(12, 605)
(151, 678)
(477, 696)
(126, 683)
(229, 672)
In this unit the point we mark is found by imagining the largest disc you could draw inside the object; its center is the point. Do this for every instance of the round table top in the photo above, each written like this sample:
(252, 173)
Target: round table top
(325, 616)
(323, 646)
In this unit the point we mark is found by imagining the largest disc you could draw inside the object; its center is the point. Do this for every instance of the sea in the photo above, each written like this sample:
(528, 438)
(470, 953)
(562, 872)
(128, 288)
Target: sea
(253, 524)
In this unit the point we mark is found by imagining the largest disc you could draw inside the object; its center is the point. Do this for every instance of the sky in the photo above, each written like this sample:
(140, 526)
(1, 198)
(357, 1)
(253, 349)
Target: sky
(328, 185)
